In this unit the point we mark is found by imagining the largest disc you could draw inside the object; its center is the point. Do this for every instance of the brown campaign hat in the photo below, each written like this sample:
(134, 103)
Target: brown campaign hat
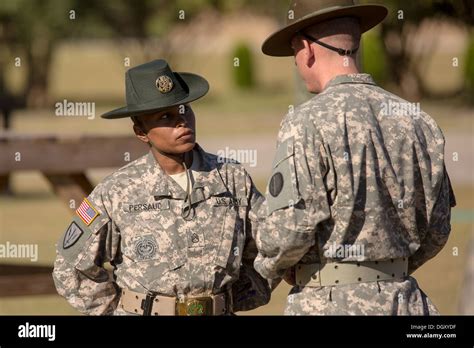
(305, 13)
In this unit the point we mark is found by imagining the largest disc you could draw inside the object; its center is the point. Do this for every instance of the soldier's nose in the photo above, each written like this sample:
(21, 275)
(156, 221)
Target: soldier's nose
(181, 120)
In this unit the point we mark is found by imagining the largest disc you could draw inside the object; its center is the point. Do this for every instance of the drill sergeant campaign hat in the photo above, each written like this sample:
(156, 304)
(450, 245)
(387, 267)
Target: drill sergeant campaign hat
(305, 13)
(154, 87)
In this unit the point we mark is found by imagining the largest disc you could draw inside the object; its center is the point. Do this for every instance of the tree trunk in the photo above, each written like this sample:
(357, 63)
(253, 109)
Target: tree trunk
(39, 62)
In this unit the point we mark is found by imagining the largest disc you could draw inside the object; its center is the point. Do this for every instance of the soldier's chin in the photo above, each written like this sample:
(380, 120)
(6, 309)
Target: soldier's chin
(185, 147)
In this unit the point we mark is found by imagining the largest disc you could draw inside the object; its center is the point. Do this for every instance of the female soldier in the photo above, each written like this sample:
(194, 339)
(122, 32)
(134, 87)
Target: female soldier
(176, 224)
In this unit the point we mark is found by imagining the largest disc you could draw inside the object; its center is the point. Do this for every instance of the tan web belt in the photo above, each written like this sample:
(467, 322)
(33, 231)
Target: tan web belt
(342, 273)
(153, 304)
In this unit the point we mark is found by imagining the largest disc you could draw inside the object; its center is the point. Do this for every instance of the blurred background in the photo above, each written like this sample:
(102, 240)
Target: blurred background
(56, 50)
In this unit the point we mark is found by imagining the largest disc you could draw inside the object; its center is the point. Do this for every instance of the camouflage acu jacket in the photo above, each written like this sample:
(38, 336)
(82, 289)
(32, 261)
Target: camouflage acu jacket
(137, 220)
(355, 166)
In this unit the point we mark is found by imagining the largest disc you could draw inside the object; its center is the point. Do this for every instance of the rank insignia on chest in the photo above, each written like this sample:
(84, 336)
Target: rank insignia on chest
(87, 212)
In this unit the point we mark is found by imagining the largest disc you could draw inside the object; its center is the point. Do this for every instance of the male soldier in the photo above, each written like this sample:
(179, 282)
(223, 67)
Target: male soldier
(179, 240)
(359, 197)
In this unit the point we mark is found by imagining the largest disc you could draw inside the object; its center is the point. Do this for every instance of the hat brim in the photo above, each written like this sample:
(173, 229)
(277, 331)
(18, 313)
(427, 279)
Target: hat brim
(198, 87)
(279, 43)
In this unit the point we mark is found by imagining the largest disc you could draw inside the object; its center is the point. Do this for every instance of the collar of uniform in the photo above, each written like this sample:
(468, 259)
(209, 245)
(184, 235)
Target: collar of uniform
(208, 182)
(163, 186)
(210, 178)
(351, 78)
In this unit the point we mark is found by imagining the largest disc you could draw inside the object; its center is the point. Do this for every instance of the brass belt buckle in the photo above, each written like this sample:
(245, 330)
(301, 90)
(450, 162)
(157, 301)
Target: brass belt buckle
(195, 306)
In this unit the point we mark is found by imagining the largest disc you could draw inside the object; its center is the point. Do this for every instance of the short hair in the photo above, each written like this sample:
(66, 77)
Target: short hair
(341, 32)
(136, 121)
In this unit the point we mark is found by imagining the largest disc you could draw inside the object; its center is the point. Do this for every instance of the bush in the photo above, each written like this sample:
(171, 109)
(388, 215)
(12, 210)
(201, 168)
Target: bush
(242, 67)
(374, 57)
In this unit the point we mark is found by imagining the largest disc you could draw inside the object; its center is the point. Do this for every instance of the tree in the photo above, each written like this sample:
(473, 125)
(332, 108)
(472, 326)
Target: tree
(405, 19)
(31, 29)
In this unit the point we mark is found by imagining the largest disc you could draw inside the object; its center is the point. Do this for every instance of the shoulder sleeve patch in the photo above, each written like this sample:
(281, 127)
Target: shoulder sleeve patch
(72, 235)
(74, 240)
(276, 184)
(282, 188)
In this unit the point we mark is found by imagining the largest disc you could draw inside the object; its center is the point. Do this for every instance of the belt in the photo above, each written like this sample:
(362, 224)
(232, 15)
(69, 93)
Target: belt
(154, 304)
(342, 273)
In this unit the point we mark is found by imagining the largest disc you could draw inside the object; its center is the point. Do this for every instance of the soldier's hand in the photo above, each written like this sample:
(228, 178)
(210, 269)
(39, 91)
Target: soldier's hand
(290, 276)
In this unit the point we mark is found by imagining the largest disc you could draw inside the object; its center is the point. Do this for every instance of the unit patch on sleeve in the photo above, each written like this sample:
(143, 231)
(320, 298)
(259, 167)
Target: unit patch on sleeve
(72, 235)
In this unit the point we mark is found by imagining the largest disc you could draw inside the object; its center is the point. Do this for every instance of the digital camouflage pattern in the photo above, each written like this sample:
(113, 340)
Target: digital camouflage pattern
(353, 174)
(141, 231)
(375, 298)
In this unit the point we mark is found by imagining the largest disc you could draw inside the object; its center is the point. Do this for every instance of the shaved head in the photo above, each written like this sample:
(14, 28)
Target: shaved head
(340, 32)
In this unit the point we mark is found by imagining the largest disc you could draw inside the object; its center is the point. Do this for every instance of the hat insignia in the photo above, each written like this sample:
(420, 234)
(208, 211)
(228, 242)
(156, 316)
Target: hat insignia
(164, 84)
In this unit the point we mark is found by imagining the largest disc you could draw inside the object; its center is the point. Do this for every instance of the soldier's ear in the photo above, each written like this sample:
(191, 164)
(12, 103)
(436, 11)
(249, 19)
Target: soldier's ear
(140, 133)
(308, 51)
